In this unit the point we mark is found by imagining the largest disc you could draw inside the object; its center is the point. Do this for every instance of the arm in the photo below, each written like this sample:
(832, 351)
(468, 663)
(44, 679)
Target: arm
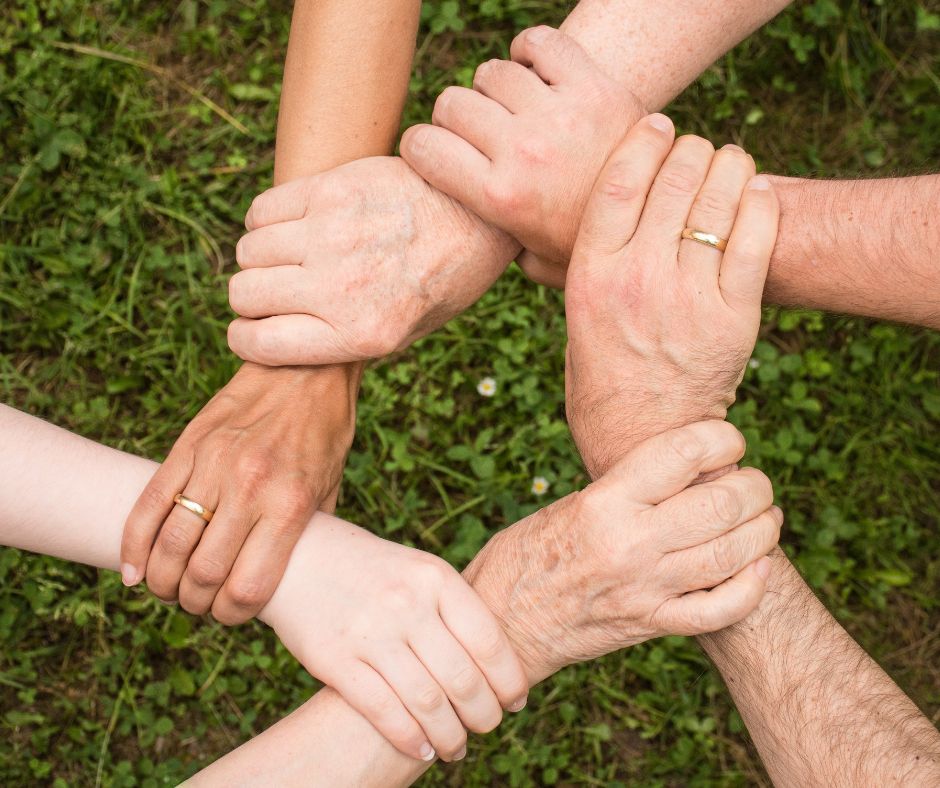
(66, 496)
(864, 247)
(269, 449)
(303, 311)
(820, 710)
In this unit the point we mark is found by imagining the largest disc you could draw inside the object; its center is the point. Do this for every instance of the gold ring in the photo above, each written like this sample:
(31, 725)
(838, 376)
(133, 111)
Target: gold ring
(196, 508)
(709, 239)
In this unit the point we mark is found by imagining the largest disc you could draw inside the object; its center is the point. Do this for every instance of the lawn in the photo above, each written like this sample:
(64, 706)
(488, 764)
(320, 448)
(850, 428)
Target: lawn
(134, 134)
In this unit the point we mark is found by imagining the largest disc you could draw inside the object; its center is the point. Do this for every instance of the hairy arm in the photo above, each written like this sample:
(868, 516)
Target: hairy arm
(866, 247)
(820, 710)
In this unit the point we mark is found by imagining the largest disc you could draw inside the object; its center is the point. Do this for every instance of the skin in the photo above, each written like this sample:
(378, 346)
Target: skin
(523, 148)
(269, 449)
(645, 554)
(307, 313)
(820, 710)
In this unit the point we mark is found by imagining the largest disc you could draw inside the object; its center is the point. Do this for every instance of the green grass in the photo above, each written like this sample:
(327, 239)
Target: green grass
(122, 189)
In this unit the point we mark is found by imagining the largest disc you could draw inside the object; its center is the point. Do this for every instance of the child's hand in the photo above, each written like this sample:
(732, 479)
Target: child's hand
(400, 635)
(523, 148)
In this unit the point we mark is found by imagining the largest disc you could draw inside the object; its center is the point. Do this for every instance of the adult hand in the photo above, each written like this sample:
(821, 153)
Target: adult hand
(523, 148)
(637, 554)
(660, 329)
(400, 635)
(356, 263)
(265, 453)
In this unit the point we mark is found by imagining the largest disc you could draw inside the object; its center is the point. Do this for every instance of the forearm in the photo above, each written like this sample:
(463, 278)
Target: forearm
(819, 709)
(79, 516)
(866, 247)
(345, 83)
(657, 49)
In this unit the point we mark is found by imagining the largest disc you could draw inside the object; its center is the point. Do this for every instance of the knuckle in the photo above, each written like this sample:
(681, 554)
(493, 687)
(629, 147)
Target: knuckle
(502, 195)
(252, 467)
(443, 103)
(176, 540)
(246, 593)
(724, 506)
(207, 572)
(429, 699)
(465, 683)
(485, 72)
(238, 294)
(534, 150)
(686, 445)
(726, 555)
(679, 179)
(488, 644)
(620, 182)
(297, 498)
(715, 202)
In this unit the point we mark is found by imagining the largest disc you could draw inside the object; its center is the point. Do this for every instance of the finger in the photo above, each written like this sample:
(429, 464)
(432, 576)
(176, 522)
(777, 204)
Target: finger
(288, 340)
(666, 464)
(424, 698)
(709, 564)
(282, 243)
(284, 203)
(180, 534)
(259, 567)
(702, 512)
(667, 208)
(751, 245)
(450, 164)
(514, 86)
(369, 694)
(542, 272)
(472, 116)
(616, 204)
(213, 559)
(149, 512)
(713, 212)
(478, 632)
(263, 292)
(708, 611)
(459, 677)
(558, 59)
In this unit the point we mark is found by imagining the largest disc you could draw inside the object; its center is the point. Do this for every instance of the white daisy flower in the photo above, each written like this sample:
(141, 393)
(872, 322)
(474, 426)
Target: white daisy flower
(753, 363)
(486, 387)
(539, 485)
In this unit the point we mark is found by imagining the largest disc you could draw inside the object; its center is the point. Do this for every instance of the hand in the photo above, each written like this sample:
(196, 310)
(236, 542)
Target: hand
(400, 635)
(660, 329)
(636, 555)
(264, 454)
(523, 148)
(356, 263)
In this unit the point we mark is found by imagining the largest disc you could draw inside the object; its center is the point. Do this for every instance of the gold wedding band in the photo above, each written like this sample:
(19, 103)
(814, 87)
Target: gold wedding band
(709, 239)
(196, 508)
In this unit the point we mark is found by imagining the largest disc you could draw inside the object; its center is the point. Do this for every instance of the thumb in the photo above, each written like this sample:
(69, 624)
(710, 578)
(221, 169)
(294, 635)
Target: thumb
(541, 271)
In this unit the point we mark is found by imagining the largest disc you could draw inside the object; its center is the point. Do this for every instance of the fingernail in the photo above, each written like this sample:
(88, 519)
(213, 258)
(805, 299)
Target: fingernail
(537, 35)
(427, 752)
(762, 567)
(759, 183)
(461, 754)
(518, 705)
(129, 575)
(732, 146)
(660, 122)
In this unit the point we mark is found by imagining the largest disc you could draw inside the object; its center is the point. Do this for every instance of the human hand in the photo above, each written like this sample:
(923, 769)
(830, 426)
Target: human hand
(400, 635)
(523, 148)
(660, 328)
(265, 453)
(356, 263)
(636, 555)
